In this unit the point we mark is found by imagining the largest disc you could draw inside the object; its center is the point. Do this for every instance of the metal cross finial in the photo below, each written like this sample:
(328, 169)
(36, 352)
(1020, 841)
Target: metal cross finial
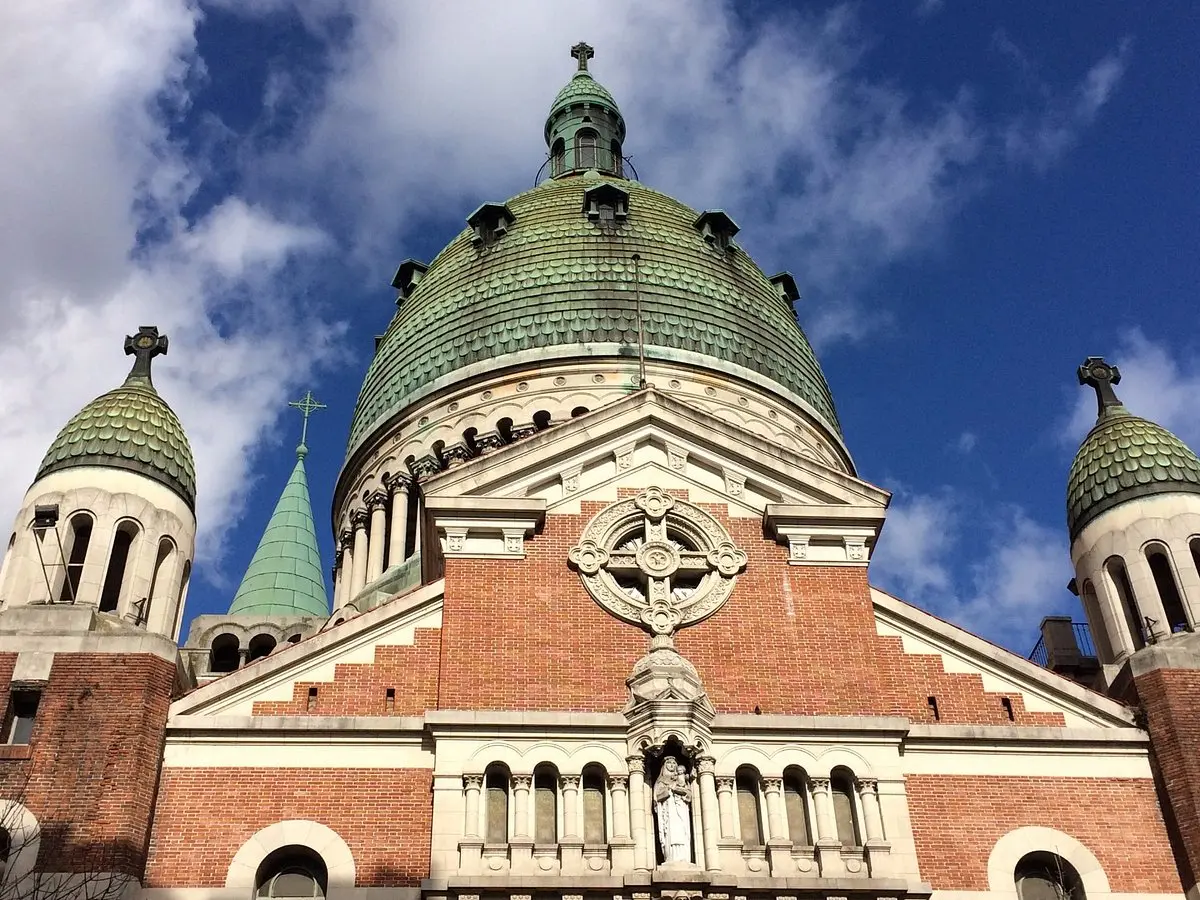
(583, 52)
(144, 346)
(1098, 374)
(308, 406)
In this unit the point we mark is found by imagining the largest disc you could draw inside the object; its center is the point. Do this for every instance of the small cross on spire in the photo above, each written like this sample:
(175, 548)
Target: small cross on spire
(583, 52)
(1098, 374)
(144, 346)
(307, 405)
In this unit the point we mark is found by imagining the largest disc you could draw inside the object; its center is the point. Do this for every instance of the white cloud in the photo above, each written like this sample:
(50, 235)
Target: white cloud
(913, 556)
(1156, 384)
(966, 442)
(93, 244)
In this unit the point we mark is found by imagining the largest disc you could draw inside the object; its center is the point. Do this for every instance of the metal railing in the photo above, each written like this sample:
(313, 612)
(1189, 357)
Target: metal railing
(582, 158)
(1085, 648)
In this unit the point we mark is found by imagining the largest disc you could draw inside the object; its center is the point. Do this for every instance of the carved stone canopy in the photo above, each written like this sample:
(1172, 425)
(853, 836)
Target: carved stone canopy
(657, 561)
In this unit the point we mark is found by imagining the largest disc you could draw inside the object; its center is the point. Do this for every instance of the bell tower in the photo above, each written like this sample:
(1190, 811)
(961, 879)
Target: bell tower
(585, 129)
(1133, 513)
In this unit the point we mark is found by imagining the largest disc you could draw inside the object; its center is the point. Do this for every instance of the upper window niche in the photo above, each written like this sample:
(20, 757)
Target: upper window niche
(407, 277)
(717, 229)
(495, 785)
(79, 537)
(1047, 876)
(586, 145)
(845, 816)
(595, 829)
(1168, 588)
(118, 564)
(292, 872)
(749, 804)
(785, 288)
(558, 158)
(606, 204)
(489, 223)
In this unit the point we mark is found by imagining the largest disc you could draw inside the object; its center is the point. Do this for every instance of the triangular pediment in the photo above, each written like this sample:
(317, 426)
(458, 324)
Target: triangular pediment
(651, 438)
(1001, 671)
(272, 680)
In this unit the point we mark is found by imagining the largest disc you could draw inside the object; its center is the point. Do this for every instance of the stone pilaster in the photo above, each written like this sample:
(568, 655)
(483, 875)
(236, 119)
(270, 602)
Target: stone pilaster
(377, 504)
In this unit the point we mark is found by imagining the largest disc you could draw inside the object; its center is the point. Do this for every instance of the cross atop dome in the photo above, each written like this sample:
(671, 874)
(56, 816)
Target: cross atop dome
(307, 406)
(1098, 374)
(144, 346)
(582, 53)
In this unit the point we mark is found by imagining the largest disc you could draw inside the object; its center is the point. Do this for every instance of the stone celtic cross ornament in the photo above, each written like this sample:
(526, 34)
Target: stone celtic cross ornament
(657, 561)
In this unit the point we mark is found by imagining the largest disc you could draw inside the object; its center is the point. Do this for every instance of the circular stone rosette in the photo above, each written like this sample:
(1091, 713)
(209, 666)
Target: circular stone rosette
(657, 561)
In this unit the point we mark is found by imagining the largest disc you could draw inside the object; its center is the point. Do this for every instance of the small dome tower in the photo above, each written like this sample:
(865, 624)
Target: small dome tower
(1133, 513)
(585, 129)
(109, 522)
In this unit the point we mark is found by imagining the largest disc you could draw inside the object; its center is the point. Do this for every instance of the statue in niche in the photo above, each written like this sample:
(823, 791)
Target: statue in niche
(672, 803)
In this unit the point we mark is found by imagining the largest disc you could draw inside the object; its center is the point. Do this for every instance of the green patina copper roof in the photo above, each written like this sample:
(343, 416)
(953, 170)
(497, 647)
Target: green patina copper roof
(131, 428)
(561, 282)
(583, 88)
(284, 577)
(1125, 457)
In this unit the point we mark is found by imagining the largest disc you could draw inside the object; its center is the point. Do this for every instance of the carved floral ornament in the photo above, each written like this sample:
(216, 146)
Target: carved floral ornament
(657, 561)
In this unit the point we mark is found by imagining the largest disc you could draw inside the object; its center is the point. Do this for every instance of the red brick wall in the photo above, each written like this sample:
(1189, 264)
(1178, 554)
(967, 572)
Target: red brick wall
(360, 689)
(205, 815)
(94, 755)
(957, 820)
(524, 634)
(1171, 700)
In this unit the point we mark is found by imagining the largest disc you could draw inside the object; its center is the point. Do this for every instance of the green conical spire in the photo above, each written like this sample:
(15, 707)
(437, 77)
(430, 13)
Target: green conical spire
(285, 577)
(584, 130)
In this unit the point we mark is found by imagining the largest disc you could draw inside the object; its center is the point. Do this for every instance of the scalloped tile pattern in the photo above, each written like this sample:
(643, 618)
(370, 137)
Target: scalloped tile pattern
(557, 279)
(580, 89)
(1125, 456)
(130, 427)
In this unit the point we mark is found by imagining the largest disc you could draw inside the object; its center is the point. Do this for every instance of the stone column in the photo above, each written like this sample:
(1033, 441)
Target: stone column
(398, 486)
(521, 844)
(710, 817)
(828, 845)
(473, 785)
(779, 841)
(619, 842)
(637, 813)
(571, 842)
(358, 572)
(1113, 616)
(868, 793)
(377, 504)
(342, 588)
(1146, 597)
(725, 786)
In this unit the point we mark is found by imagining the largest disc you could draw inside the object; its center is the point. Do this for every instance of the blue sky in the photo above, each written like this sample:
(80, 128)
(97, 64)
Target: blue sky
(972, 198)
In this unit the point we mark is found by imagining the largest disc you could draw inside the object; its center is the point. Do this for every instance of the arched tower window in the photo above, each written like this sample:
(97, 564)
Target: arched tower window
(545, 805)
(225, 655)
(166, 556)
(496, 804)
(585, 149)
(1195, 547)
(749, 802)
(118, 564)
(795, 789)
(1119, 578)
(614, 150)
(260, 645)
(292, 872)
(841, 785)
(558, 160)
(1047, 876)
(595, 829)
(1100, 636)
(1168, 590)
(78, 539)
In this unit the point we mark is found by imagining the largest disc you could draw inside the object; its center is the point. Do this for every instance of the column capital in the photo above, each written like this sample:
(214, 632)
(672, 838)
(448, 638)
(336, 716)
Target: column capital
(345, 538)
(618, 782)
(867, 785)
(376, 500)
(569, 782)
(819, 783)
(473, 782)
(397, 482)
(706, 765)
(522, 782)
(725, 782)
(358, 517)
(772, 785)
(636, 763)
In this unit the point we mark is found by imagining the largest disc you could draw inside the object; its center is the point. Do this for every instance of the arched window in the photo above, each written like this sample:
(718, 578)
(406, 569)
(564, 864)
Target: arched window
(1091, 607)
(541, 419)
(558, 158)
(585, 150)
(118, 563)
(841, 786)
(224, 656)
(1195, 547)
(1168, 590)
(1047, 876)
(78, 539)
(795, 790)
(614, 150)
(260, 645)
(1119, 578)
(749, 806)
(578, 411)
(545, 805)
(292, 872)
(5, 847)
(496, 804)
(595, 829)
(166, 555)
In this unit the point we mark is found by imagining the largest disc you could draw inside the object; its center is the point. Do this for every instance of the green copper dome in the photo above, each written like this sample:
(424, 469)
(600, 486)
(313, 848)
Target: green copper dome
(563, 283)
(1123, 457)
(130, 428)
(582, 88)
(284, 577)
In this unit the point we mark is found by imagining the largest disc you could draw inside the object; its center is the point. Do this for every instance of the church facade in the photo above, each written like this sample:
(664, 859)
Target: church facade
(600, 623)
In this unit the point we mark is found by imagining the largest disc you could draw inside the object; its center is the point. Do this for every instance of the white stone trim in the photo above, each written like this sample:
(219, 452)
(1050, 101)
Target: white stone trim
(1012, 847)
(25, 841)
(324, 841)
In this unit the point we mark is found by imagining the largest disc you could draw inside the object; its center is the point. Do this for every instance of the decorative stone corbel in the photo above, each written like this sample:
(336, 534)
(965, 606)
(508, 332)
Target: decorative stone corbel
(824, 534)
(485, 527)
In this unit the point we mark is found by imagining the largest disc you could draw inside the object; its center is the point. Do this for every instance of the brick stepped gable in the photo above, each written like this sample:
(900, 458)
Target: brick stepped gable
(383, 815)
(791, 640)
(360, 689)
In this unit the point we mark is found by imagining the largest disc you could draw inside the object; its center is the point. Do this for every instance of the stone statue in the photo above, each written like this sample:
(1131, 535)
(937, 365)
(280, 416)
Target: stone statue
(672, 802)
